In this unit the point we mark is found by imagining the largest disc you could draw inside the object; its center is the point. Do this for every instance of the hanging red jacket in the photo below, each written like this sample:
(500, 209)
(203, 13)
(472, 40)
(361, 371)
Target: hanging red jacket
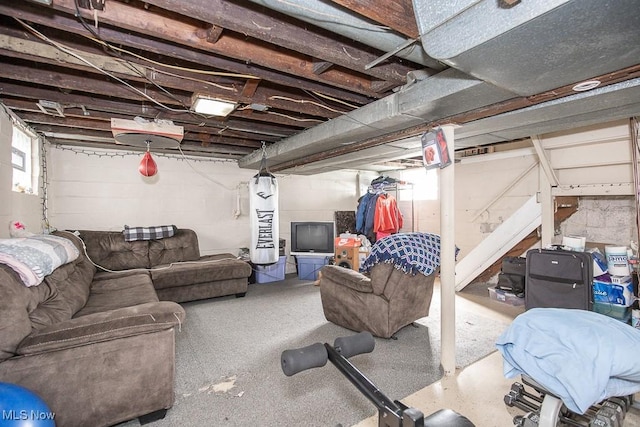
(388, 218)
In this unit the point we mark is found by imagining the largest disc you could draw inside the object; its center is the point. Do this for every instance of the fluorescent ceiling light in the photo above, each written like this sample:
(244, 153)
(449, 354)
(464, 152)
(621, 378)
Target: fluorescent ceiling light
(211, 106)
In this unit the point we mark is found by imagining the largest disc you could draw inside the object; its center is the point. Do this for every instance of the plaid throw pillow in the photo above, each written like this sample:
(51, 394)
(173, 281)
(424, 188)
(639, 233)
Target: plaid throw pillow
(148, 233)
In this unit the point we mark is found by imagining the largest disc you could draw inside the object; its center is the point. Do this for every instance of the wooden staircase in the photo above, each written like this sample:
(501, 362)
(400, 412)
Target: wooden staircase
(565, 206)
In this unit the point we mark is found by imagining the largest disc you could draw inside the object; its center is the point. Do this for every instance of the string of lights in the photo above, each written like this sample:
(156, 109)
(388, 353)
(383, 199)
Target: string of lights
(123, 154)
(44, 185)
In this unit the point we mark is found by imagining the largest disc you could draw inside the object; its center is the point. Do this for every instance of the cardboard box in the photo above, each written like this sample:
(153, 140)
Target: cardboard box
(347, 242)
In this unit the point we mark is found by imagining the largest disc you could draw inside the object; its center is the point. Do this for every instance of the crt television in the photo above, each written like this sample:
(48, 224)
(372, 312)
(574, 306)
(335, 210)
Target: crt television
(313, 238)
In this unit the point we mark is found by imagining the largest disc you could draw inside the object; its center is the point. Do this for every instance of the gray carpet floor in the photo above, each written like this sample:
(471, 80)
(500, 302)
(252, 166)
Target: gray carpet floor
(228, 361)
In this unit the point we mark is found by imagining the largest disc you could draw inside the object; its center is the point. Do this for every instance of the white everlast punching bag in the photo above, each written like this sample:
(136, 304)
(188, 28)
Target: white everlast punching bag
(263, 204)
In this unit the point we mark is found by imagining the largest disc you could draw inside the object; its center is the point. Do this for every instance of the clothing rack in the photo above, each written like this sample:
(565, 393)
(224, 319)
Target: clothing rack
(394, 189)
(379, 187)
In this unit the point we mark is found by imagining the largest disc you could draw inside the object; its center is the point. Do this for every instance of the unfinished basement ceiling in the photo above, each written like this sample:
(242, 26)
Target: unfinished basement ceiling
(325, 85)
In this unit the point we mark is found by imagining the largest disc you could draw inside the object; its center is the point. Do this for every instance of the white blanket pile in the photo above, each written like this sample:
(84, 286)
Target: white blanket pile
(36, 256)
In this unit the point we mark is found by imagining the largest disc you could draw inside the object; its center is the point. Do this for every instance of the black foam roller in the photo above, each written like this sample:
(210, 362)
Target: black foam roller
(360, 343)
(300, 359)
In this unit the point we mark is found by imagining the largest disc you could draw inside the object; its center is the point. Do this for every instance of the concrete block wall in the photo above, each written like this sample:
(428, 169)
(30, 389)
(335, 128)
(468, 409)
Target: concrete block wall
(96, 189)
(608, 220)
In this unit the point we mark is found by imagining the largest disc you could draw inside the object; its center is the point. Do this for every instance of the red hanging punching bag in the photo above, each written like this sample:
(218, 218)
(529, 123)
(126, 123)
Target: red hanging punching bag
(147, 165)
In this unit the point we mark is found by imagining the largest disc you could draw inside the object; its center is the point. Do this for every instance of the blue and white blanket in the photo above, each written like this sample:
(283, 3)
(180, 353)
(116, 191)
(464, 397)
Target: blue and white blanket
(410, 252)
(35, 257)
(580, 356)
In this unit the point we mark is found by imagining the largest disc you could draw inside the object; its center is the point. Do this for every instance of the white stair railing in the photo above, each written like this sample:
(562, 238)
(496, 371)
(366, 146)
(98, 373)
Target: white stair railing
(499, 242)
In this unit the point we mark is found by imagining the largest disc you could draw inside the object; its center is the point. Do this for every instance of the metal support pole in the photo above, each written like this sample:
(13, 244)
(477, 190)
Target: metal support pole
(447, 260)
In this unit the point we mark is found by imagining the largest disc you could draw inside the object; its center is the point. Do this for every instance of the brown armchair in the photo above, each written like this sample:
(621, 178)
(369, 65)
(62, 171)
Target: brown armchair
(395, 292)
(382, 304)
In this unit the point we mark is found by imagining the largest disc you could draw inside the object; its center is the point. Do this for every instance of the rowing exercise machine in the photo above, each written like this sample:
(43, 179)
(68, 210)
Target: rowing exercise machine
(390, 413)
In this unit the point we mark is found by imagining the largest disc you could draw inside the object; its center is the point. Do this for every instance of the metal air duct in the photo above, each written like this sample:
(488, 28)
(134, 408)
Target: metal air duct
(531, 46)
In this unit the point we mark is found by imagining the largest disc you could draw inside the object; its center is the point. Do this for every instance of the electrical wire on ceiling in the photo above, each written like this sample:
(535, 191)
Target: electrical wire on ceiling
(334, 99)
(73, 52)
(185, 109)
(294, 118)
(202, 174)
(344, 114)
(193, 79)
(97, 39)
(305, 101)
(115, 52)
(173, 67)
(70, 52)
(249, 107)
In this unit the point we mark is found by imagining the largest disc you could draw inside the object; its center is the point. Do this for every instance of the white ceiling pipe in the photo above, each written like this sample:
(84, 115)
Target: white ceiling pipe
(337, 20)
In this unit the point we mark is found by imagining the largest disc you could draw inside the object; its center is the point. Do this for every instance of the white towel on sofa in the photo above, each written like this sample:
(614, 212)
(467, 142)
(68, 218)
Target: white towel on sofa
(37, 256)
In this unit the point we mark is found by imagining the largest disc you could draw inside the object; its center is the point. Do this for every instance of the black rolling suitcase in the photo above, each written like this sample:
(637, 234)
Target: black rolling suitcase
(559, 278)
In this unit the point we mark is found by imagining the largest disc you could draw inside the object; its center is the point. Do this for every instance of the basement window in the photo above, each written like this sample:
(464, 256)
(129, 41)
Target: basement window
(425, 184)
(24, 160)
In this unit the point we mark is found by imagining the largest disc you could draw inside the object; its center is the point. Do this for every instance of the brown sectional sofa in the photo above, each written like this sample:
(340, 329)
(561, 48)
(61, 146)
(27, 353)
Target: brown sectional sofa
(99, 346)
(178, 271)
(99, 349)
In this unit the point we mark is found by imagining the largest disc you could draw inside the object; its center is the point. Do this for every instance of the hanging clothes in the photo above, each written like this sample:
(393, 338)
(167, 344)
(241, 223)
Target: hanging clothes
(361, 212)
(370, 216)
(377, 214)
(383, 180)
(388, 218)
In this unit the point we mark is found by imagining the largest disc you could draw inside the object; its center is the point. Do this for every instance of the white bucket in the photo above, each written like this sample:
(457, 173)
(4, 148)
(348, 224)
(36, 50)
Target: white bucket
(575, 243)
(617, 260)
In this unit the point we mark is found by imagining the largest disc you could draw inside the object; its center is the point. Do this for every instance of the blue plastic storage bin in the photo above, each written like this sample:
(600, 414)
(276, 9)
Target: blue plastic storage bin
(309, 266)
(616, 311)
(271, 273)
